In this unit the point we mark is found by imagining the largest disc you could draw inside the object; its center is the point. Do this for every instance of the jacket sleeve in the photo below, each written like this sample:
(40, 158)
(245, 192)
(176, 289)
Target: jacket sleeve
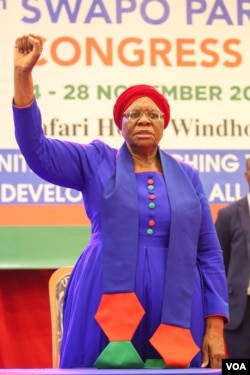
(63, 163)
(210, 258)
(223, 232)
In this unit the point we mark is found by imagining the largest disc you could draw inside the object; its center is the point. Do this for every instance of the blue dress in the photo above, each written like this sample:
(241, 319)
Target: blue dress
(85, 340)
(88, 168)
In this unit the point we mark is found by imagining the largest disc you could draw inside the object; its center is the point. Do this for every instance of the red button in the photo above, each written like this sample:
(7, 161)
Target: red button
(151, 196)
(150, 181)
(151, 223)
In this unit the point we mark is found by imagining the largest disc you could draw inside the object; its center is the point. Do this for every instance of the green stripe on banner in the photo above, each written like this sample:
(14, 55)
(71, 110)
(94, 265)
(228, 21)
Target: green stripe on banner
(41, 247)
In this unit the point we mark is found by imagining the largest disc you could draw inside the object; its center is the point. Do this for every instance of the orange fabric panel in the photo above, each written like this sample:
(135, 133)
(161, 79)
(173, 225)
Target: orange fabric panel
(119, 315)
(175, 345)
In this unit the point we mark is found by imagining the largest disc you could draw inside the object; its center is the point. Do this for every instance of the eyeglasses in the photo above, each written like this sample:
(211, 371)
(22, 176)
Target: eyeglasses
(135, 114)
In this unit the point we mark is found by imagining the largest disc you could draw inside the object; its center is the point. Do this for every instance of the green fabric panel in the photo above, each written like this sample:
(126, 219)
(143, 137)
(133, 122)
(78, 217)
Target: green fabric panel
(41, 247)
(119, 354)
(154, 363)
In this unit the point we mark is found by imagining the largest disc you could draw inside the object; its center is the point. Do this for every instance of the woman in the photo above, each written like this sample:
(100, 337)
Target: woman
(149, 290)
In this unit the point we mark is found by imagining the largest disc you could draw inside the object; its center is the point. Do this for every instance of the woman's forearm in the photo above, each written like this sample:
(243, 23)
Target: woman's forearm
(23, 87)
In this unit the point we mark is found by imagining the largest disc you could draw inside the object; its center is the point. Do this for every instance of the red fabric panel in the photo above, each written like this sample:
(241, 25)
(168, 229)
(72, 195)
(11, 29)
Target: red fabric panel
(25, 329)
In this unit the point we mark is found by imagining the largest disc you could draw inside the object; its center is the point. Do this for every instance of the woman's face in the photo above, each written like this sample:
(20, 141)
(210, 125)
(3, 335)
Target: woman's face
(145, 129)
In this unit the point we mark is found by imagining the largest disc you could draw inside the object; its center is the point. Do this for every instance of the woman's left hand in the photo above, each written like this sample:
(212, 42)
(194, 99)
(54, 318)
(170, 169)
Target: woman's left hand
(213, 346)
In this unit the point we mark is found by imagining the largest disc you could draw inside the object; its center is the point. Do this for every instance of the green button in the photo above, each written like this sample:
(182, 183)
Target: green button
(151, 187)
(151, 205)
(150, 231)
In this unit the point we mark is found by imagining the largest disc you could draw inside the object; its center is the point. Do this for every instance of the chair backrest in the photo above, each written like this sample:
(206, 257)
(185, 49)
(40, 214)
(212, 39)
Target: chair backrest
(57, 285)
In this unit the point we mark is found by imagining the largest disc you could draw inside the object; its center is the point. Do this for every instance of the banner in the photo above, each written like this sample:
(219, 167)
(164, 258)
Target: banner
(195, 52)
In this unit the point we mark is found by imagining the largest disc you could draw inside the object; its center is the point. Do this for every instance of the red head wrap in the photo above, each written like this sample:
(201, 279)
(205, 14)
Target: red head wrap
(135, 92)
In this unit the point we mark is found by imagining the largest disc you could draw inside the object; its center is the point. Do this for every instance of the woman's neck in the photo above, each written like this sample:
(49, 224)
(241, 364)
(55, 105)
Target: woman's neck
(143, 163)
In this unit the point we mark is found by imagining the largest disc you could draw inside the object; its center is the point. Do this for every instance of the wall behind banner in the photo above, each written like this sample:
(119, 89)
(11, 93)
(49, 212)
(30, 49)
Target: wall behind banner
(197, 54)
